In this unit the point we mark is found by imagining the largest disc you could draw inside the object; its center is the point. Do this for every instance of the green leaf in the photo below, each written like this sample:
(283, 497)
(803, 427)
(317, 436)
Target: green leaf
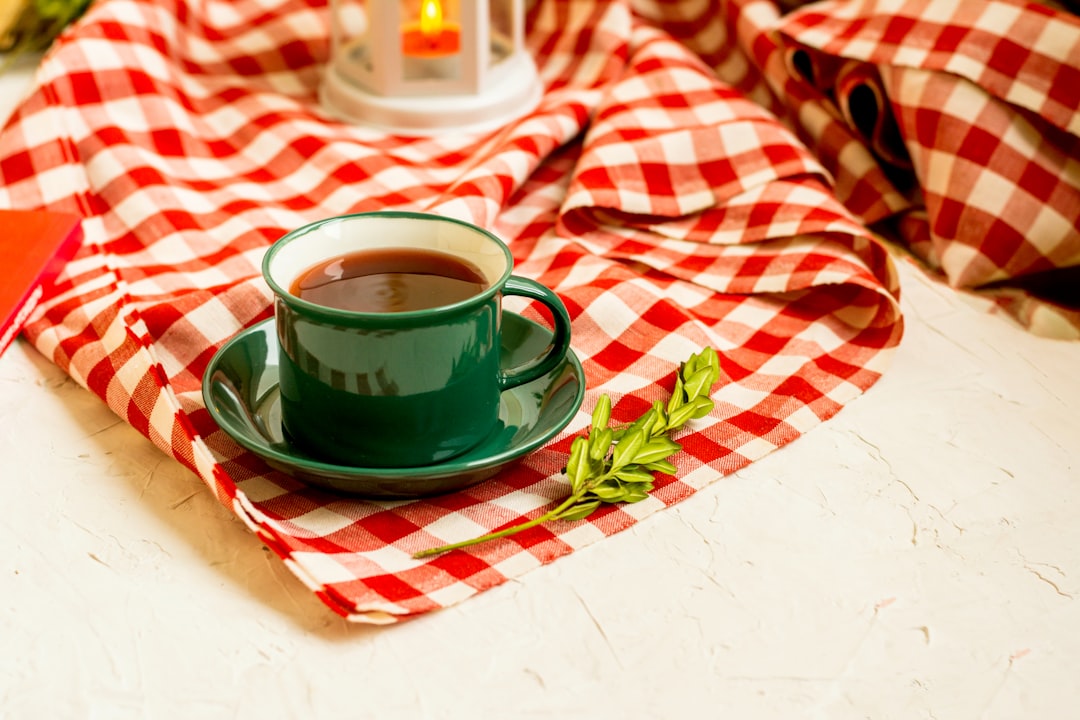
(677, 395)
(636, 493)
(600, 443)
(664, 466)
(713, 360)
(699, 383)
(656, 449)
(635, 474)
(577, 468)
(659, 424)
(703, 406)
(627, 449)
(579, 511)
(609, 491)
(643, 424)
(601, 413)
(680, 416)
(61, 10)
(706, 359)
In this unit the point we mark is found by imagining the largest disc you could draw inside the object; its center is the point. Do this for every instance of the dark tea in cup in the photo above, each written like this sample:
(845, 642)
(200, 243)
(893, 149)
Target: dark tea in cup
(387, 280)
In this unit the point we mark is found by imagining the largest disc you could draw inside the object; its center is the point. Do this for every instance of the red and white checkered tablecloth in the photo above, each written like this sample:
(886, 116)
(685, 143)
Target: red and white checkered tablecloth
(653, 191)
(952, 128)
(956, 128)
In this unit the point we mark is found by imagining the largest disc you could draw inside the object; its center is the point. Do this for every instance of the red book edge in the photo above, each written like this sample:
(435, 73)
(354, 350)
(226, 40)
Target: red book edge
(34, 247)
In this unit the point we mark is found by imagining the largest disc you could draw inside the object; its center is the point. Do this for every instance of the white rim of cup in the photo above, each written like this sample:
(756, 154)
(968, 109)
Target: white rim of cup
(494, 280)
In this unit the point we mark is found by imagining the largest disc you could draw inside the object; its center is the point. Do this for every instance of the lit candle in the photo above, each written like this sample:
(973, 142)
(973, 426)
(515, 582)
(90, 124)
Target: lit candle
(430, 36)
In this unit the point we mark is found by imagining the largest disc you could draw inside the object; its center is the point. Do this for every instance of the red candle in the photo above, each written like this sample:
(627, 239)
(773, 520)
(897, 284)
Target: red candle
(430, 36)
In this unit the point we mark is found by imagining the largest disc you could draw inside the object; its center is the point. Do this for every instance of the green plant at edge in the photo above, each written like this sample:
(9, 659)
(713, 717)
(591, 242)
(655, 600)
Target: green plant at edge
(36, 26)
(612, 465)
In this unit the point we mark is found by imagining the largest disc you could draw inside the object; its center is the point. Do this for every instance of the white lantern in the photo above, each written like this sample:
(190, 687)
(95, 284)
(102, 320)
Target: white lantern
(425, 66)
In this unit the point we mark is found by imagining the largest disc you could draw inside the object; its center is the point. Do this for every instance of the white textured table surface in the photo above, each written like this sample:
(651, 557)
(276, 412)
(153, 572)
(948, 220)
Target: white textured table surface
(916, 557)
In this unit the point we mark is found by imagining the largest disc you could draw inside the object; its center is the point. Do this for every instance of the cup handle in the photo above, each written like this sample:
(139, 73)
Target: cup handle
(560, 338)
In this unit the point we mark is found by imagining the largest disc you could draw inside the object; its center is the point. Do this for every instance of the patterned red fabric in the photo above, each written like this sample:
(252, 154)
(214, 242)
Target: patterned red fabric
(965, 119)
(949, 127)
(658, 196)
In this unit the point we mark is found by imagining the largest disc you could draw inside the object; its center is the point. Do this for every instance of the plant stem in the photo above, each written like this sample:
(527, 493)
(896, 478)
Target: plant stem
(506, 532)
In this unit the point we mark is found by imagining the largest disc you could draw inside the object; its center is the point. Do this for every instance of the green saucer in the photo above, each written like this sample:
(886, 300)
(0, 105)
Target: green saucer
(240, 388)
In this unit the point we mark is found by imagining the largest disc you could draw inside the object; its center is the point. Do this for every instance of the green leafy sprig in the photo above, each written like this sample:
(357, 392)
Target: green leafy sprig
(36, 25)
(617, 464)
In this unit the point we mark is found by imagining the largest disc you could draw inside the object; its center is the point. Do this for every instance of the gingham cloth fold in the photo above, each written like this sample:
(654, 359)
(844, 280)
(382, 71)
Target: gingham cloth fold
(669, 211)
(958, 125)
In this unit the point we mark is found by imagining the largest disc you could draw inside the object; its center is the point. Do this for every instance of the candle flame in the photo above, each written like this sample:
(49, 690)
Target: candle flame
(431, 22)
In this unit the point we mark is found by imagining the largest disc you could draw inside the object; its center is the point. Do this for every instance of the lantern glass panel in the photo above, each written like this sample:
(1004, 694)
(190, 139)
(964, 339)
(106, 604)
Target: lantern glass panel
(350, 55)
(502, 25)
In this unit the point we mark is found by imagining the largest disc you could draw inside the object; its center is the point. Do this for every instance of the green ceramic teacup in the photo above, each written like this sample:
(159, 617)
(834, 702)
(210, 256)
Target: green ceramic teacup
(400, 388)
